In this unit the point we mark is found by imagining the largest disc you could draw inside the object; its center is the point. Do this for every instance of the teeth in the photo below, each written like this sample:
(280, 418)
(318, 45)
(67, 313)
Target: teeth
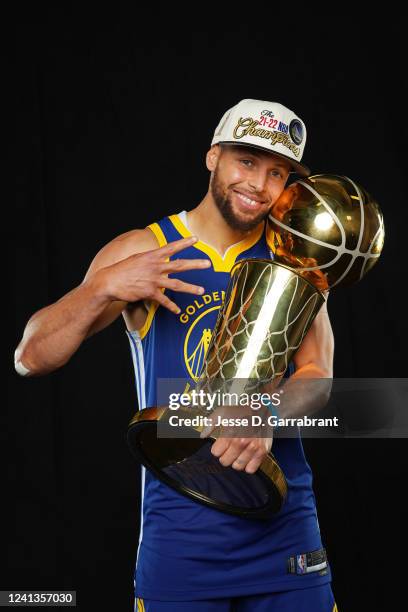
(247, 200)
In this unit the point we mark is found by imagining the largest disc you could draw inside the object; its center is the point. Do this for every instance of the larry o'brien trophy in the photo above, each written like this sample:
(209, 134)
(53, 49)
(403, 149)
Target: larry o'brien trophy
(325, 231)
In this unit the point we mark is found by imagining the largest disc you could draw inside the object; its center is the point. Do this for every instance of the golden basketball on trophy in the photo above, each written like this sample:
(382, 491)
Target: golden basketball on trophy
(325, 231)
(327, 228)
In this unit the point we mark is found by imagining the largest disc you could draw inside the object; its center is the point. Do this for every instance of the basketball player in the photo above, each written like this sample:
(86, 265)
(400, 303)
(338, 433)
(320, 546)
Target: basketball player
(168, 282)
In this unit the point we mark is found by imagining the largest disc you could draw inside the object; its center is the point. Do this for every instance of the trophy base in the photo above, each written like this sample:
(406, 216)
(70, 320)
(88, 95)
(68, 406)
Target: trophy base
(187, 465)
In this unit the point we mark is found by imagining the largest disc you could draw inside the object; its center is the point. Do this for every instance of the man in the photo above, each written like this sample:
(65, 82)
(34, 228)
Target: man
(191, 556)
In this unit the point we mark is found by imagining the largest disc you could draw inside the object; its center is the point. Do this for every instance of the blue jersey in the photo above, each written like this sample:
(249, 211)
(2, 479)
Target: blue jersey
(189, 551)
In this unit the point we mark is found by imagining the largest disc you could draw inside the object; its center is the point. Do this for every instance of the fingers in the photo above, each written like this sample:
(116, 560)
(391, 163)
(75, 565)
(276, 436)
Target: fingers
(241, 453)
(253, 464)
(220, 446)
(250, 458)
(178, 285)
(179, 265)
(160, 297)
(178, 245)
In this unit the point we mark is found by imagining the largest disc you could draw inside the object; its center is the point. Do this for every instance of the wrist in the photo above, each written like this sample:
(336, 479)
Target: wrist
(100, 287)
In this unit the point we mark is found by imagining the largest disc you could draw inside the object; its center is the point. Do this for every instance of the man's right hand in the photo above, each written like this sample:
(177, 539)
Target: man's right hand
(116, 277)
(144, 275)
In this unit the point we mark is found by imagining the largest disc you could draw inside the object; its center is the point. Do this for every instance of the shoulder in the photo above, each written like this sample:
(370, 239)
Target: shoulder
(130, 243)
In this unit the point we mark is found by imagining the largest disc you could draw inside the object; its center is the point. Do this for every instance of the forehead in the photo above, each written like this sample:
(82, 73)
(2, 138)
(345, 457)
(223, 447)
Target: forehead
(271, 158)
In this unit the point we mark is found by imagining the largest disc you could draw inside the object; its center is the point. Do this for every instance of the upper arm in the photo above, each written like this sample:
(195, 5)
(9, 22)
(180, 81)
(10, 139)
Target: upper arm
(125, 245)
(121, 247)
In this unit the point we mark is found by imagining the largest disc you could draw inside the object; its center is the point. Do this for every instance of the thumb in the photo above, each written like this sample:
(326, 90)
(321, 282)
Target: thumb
(207, 430)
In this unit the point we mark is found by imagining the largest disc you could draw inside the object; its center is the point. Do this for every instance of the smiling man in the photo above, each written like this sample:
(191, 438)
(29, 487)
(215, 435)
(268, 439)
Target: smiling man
(244, 209)
(193, 557)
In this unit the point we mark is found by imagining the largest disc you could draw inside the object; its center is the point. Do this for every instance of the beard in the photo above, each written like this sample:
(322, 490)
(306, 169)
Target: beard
(226, 209)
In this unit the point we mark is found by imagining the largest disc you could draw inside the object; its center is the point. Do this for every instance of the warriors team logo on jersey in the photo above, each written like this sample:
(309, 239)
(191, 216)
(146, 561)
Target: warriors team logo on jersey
(198, 340)
(199, 317)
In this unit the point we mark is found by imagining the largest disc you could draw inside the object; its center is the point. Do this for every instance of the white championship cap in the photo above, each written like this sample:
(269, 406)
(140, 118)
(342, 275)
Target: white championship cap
(269, 126)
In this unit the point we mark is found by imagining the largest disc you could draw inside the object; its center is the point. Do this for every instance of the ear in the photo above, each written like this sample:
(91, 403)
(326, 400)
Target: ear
(212, 156)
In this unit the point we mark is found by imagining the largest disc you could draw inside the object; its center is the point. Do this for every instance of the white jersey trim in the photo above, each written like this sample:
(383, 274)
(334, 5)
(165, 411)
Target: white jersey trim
(138, 364)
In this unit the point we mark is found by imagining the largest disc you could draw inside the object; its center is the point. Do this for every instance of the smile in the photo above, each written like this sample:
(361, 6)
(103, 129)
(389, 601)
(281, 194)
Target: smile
(247, 201)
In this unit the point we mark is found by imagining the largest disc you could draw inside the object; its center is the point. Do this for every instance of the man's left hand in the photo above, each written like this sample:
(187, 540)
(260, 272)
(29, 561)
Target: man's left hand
(239, 446)
(242, 453)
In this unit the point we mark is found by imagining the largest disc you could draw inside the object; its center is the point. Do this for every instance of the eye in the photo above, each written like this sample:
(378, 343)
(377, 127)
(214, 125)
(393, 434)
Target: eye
(277, 174)
(246, 162)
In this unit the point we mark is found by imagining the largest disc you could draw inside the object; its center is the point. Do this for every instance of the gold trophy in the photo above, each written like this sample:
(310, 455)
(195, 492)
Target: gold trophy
(324, 231)
(328, 229)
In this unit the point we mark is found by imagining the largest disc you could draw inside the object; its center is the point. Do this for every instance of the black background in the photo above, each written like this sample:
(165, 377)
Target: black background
(114, 120)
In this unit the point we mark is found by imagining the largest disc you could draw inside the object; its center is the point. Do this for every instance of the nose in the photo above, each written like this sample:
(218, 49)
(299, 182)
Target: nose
(257, 180)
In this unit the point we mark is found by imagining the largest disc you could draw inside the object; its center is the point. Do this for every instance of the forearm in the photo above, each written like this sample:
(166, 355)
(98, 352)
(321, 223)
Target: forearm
(308, 390)
(304, 394)
(54, 333)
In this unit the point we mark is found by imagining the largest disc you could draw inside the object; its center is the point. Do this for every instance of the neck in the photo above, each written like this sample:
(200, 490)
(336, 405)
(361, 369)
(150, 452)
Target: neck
(207, 223)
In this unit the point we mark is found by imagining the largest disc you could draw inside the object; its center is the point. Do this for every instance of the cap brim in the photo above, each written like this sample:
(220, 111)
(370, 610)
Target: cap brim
(297, 167)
